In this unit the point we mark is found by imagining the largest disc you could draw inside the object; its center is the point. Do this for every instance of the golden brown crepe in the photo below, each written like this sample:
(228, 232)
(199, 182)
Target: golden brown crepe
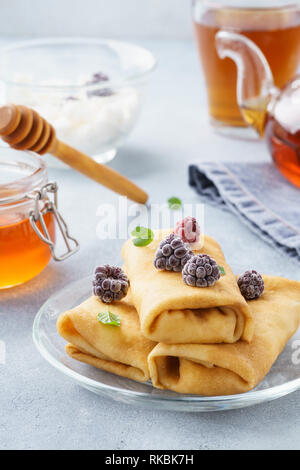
(226, 369)
(172, 312)
(121, 350)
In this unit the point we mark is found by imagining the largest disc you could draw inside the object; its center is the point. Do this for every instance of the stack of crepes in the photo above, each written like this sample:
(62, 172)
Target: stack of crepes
(206, 341)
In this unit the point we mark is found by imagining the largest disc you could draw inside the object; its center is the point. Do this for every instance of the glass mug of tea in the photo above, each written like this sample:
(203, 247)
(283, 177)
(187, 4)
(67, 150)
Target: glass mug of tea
(273, 25)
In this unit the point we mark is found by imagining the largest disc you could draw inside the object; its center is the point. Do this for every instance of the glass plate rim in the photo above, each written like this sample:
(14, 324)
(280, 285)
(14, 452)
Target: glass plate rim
(253, 395)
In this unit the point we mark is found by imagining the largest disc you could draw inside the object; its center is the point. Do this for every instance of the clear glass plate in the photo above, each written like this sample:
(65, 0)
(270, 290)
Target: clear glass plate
(283, 378)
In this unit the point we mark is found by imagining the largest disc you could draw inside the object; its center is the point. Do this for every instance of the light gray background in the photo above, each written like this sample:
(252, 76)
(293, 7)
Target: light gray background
(39, 407)
(114, 18)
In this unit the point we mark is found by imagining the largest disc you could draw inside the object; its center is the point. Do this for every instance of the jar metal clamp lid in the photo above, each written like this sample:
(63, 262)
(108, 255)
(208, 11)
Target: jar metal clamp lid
(26, 193)
(37, 215)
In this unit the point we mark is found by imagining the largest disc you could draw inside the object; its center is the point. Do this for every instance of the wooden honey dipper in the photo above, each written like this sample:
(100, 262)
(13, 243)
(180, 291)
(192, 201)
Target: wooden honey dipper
(24, 129)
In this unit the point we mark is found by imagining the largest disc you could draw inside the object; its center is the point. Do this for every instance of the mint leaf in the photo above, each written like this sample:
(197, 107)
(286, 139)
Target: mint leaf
(142, 232)
(222, 270)
(141, 242)
(108, 318)
(142, 236)
(174, 203)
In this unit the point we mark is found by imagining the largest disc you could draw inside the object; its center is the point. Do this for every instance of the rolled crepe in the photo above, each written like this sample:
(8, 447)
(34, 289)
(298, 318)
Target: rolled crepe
(226, 369)
(121, 350)
(172, 312)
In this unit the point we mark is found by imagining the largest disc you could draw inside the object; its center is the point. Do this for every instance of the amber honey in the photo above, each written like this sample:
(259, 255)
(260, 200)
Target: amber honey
(22, 253)
(275, 31)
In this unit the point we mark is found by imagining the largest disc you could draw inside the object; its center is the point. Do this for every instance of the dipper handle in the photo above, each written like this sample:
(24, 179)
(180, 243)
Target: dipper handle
(24, 129)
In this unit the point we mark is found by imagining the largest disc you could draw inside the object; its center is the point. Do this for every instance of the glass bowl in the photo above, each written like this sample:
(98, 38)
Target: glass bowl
(90, 90)
(283, 378)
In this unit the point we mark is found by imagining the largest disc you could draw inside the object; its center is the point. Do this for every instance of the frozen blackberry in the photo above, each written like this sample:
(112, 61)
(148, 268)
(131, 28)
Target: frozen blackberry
(251, 284)
(110, 283)
(201, 271)
(99, 77)
(172, 254)
(100, 92)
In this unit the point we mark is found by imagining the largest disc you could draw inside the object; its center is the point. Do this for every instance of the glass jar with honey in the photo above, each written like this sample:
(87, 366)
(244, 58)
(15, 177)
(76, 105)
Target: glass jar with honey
(28, 218)
(273, 25)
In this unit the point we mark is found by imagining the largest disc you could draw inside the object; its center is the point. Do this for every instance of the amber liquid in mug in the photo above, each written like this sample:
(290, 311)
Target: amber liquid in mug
(22, 254)
(276, 32)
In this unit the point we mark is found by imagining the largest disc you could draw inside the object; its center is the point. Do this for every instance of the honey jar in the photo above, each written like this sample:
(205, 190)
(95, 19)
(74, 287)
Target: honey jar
(29, 218)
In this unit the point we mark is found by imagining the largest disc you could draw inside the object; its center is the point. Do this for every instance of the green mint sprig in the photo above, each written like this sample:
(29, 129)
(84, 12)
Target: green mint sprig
(108, 318)
(142, 236)
(174, 203)
(222, 270)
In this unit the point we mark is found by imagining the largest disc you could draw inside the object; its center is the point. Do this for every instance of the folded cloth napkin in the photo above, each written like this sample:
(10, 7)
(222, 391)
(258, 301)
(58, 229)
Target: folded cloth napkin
(258, 194)
(121, 350)
(172, 312)
(226, 369)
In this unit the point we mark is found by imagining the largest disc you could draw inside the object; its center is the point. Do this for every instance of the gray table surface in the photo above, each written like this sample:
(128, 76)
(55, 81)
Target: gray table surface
(42, 409)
